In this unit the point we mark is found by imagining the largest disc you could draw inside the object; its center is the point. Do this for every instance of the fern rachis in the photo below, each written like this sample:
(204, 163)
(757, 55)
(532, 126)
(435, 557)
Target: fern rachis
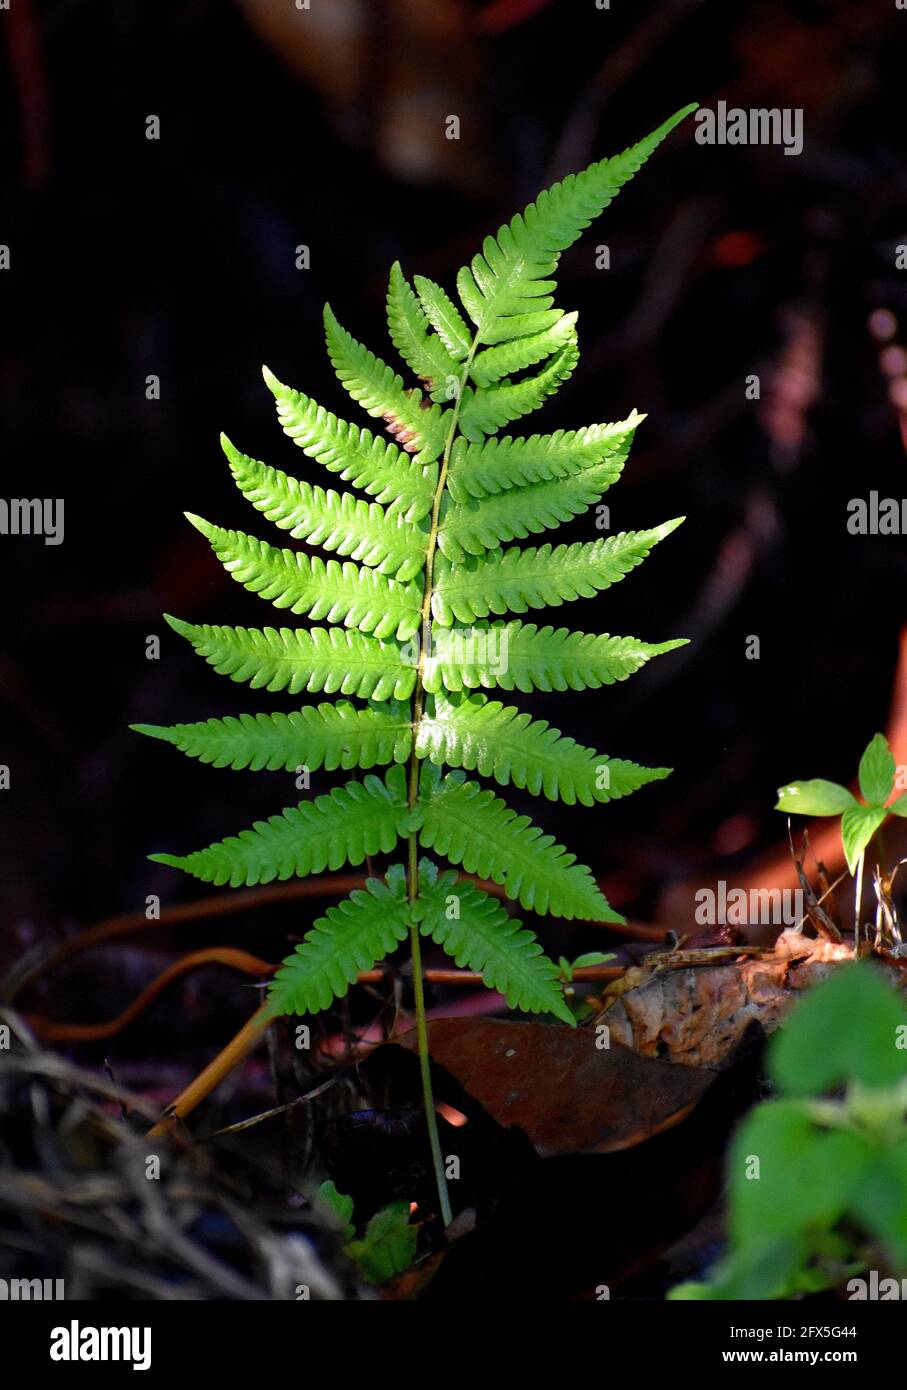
(417, 627)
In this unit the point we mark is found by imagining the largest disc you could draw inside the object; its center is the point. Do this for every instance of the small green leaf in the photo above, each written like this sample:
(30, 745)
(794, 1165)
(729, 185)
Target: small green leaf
(691, 1292)
(803, 1180)
(388, 1246)
(593, 958)
(880, 1201)
(898, 807)
(877, 771)
(845, 1029)
(858, 825)
(328, 1198)
(815, 798)
(751, 1275)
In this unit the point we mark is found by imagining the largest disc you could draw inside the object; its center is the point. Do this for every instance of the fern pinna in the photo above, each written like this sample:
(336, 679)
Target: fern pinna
(416, 627)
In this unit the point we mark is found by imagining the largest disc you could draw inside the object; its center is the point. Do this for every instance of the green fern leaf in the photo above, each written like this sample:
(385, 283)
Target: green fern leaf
(521, 325)
(511, 276)
(476, 930)
(380, 391)
(350, 937)
(328, 659)
(477, 830)
(487, 408)
(484, 470)
(405, 609)
(499, 741)
(540, 576)
(342, 593)
(337, 521)
(375, 465)
(329, 736)
(471, 528)
(444, 317)
(520, 656)
(343, 827)
(411, 333)
(494, 363)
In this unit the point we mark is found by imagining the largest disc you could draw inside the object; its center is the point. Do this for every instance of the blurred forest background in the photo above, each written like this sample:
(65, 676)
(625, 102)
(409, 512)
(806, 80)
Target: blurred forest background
(326, 127)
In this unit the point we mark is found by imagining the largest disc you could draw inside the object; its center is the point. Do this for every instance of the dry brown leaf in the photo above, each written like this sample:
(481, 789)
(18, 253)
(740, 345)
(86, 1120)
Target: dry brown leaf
(697, 1014)
(567, 1094)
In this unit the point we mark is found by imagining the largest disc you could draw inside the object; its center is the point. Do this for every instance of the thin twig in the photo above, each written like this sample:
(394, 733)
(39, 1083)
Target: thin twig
(236, 1051)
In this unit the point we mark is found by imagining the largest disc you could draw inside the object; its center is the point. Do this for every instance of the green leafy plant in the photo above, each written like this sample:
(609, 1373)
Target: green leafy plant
(386, 1248)
(817, 1186)
(859, 820)
(416, 627)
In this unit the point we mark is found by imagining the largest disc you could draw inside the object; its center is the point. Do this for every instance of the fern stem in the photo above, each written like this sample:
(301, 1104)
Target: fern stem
(418, 710)
(431, 1118)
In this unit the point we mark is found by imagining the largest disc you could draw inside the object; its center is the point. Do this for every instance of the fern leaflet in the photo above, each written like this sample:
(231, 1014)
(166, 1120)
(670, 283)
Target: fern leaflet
(444, 317)
(486, 409)
(350, 937)
(423, 351)
(337, 521)
(480, 935)
(471, 528)
(343, 827)
(510, 277)
(342, 593)
(538, 577)
(380, 392)
(374, 465)
(520, 656)
(319, 659)
(477, 830)
(498, 741)
(328, 736)
(486, 469)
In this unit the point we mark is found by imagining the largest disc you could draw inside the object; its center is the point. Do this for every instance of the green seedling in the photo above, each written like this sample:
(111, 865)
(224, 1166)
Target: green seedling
(818, 1178)
(859, 820)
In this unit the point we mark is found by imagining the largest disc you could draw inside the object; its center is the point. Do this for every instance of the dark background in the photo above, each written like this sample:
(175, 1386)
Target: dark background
(175, 257)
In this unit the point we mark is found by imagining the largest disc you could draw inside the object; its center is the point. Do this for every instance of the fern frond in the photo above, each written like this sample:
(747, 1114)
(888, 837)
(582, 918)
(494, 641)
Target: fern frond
(411, 333)
(343, 827)
(520, 656)
(471, 528)
(342, 593)
(328, 736)
(485, 409)
(444, 317)
(477, 830)
(375, 465)
(380, 391)
(320, 659)
(405, 609)
(476, 930)
(492, 364)
(383, 540)
(482, 735)
(486, 469)
(540, 576)
(350, 937)
(511, 276)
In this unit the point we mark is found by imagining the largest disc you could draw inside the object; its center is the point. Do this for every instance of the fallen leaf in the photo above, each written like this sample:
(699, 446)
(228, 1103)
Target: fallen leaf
(696, 1015)
(566, 1093)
